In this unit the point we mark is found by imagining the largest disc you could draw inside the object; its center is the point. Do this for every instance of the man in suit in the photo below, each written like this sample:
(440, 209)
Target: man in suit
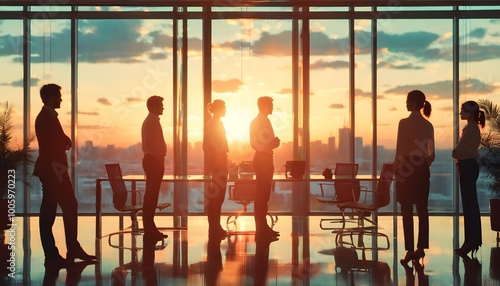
(51, 168)
(153, 163)
(263, 141)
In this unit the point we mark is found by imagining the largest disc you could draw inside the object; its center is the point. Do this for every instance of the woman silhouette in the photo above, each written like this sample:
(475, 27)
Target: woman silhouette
(414, 155)
(466, 153)
(216, 149)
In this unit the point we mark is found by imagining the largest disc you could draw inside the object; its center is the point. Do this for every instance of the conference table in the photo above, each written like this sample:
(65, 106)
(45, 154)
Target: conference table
(301, 199)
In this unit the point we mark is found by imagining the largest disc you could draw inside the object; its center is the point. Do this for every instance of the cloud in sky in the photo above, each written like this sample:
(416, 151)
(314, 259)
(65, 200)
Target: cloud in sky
(285, 91)
(124, 41)
(399, 66)
(226, 86)
(19, 83)
(104, 101)
(336, 106)
(320, 64)
(92, 113)
(359, 92)
(130, 100)
(478, 33)
(443, 89)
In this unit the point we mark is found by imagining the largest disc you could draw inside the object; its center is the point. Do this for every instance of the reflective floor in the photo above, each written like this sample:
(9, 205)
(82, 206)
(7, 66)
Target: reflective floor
(304, 255)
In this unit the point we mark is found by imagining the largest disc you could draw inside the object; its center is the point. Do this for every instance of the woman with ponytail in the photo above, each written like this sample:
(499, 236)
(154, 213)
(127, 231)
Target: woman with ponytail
(466, 153)
(414, 156)
(216, 149)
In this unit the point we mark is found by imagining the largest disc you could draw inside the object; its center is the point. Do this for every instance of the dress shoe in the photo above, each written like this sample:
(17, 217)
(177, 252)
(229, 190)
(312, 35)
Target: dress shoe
(155, 236)
(218, 233)
(265, 239)
(267, 232)
(80, 254)
(419, 253)
(408, 257)
(57, 261)
(466, 249)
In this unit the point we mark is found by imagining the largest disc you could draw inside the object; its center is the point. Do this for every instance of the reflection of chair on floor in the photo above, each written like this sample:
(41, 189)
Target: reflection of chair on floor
(340, 190)
(135, 266)
(243, 192)
(379, 198)
(126, 201)
(347, 260)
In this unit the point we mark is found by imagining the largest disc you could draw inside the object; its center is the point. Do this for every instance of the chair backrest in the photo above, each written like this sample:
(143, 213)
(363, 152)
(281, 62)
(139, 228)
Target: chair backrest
(243, 190)
(345, 182)
(117, 185)
(384, 185)
(346, 170)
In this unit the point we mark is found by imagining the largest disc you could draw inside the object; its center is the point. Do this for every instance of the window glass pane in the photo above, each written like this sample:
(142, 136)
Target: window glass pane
(50, 63)
(121, 64)
(479, 74)
(415, 54)
(11, 89)
(250, 59)
(195, 112)
(11, 8)
(363, 98)
(329, 101)
(123, 9)
(49, 10)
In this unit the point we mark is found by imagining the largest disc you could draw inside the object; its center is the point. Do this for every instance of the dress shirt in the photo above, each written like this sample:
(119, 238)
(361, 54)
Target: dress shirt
(262, 134)
(153, 142)
(467, 147)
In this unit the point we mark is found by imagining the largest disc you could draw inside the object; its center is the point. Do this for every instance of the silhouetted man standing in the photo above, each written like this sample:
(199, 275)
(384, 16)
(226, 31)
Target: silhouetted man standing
(263, 141)
(155, 150)
(51, 168)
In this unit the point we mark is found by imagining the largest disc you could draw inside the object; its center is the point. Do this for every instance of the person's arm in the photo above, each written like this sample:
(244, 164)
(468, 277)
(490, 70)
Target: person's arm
(431, 148)
(399, 142)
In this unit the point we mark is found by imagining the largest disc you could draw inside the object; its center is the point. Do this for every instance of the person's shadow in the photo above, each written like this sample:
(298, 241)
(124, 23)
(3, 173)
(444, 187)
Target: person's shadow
(473, 271)
(262, 259)
(148, 263)
(423, 279)
(213, 267)
(73, 273)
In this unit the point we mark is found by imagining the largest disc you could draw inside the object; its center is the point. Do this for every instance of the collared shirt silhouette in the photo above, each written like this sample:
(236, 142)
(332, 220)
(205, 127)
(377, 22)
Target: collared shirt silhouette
(153, 163)
(263, 141)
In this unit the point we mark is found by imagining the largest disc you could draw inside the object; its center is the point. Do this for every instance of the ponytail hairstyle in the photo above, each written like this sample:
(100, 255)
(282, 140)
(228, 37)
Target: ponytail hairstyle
(418, 97)
(477, 115)
(216, 106)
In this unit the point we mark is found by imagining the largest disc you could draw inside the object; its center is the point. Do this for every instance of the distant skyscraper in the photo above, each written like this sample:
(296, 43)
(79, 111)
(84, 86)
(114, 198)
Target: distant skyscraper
(344, 154)
(358, 149)
(332, 150)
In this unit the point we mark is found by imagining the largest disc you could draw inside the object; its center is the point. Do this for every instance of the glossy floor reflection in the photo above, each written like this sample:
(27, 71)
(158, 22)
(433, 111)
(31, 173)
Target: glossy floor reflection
(303, 255)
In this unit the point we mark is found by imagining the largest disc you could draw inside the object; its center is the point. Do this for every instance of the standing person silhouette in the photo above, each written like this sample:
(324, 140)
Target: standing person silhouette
(216, 149)
(414, 156)
(51, 168)
(153, 163)
(263, 141)
(466, 153)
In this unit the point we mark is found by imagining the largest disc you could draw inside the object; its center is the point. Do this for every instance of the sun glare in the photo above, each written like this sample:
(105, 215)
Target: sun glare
(237, 124)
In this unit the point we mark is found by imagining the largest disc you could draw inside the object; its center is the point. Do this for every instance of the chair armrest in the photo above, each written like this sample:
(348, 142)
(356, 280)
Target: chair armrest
(137, 192)
(361, 189)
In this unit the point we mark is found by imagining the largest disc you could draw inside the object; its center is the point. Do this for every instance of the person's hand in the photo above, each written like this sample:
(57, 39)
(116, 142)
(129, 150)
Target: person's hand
(276, 142)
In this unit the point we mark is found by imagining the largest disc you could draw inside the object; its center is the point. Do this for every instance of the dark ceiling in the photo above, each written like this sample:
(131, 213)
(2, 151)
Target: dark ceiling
(237, 3)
